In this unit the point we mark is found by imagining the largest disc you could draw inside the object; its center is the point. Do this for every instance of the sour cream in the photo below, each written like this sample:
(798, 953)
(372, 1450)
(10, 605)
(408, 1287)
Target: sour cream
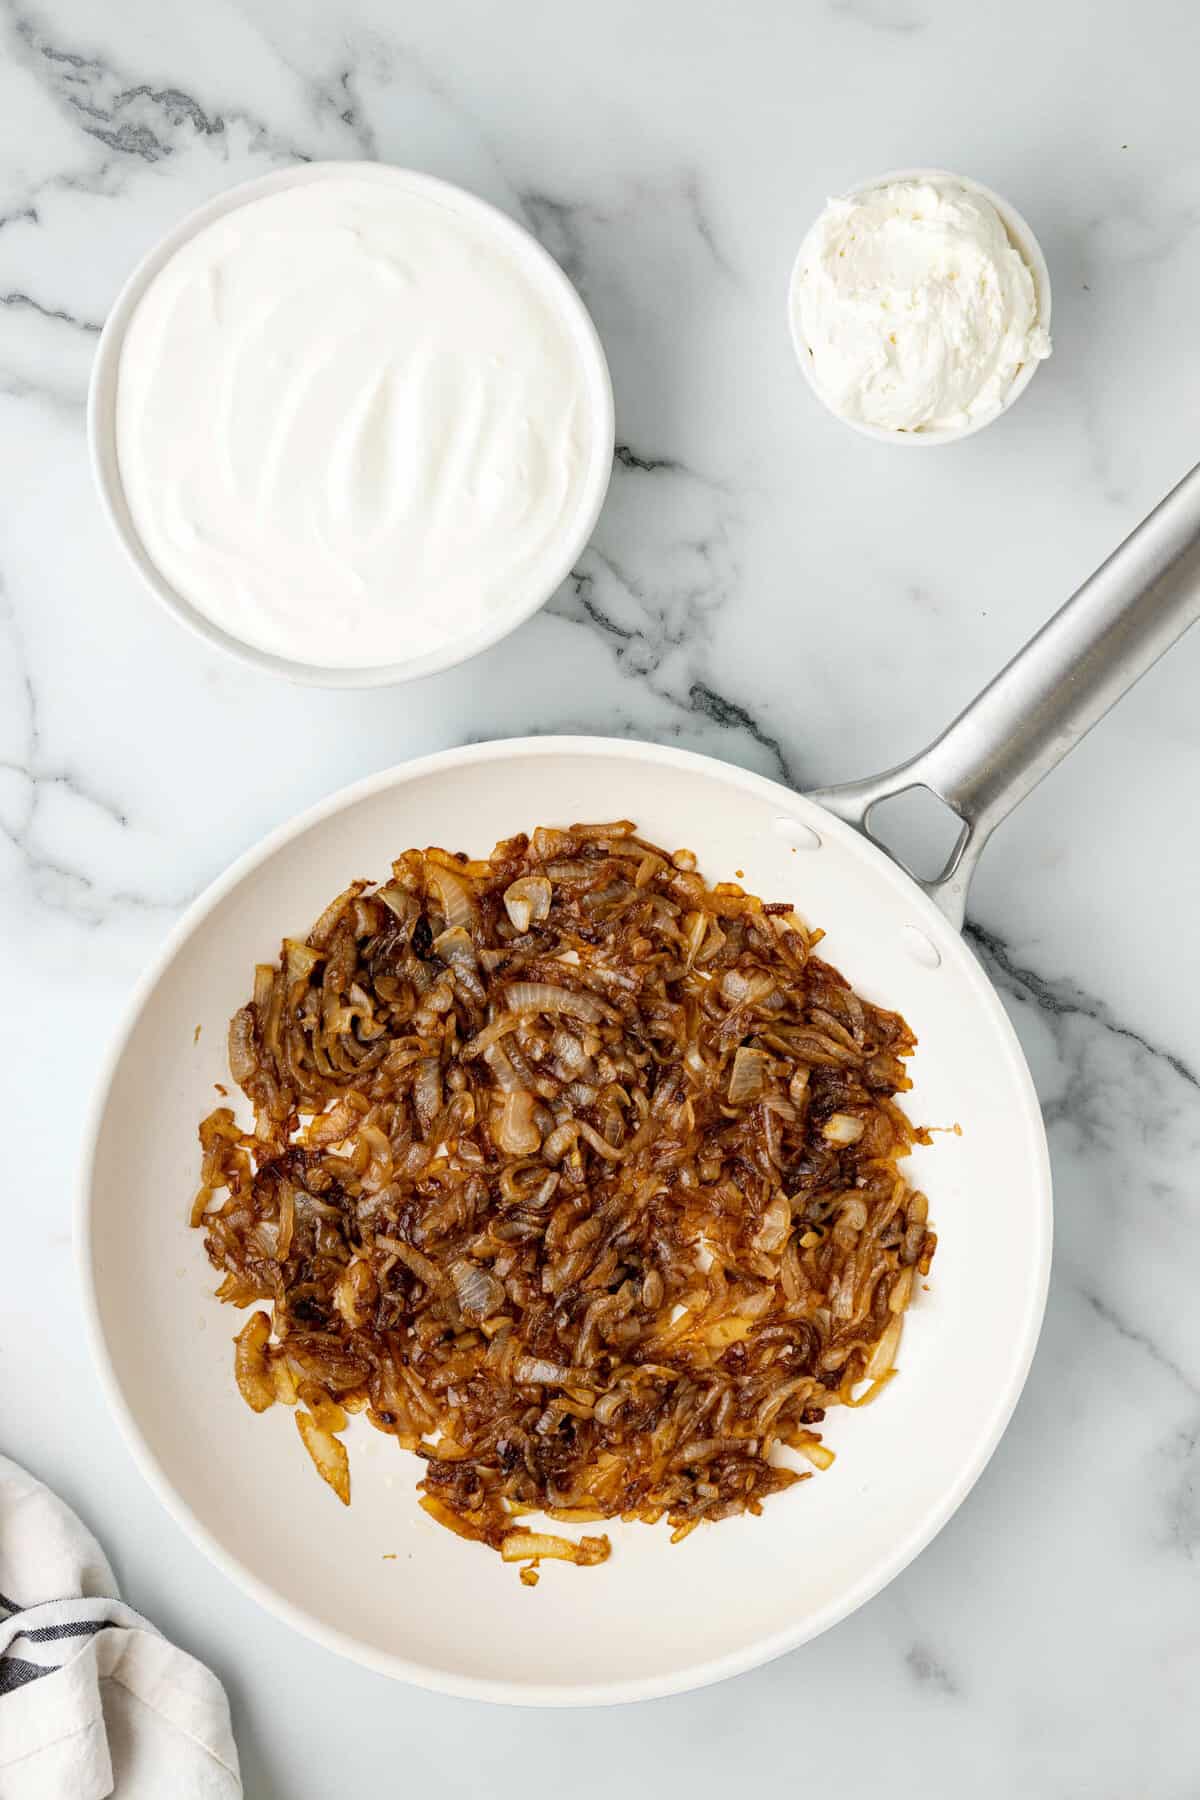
(914, 308)
(360, 419)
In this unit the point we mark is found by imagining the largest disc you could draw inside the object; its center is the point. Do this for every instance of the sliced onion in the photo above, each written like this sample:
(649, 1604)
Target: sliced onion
(560, 1140)
(703, 1450)
(329, 920)
(540, 996)
(498, 1028)
(600, 1145)
(338, 1123)
(527, 901)
(714, 941)
(519, 1546)
(537, 1371)
(776, 1223)
(251, 1367)
(399, 901)
(454, 946)
(748, 1076)
(548, 840)
(355, 1293)
(413, 1259)
(507, 1079)
(329, 1455)
(901, 1291)
(757, 989)
(458, 902)
(284, 1380)
(695, 930)
(574, 870)
(652, 1290)
(572, 1057)
(427, 1092)
(791, 1276)
(545, 1193)
(843, 1128)
(513, 1127)
(613, 828)
(853, 1215)
(477, 1291)
(884, 1354)
(299, 960)
(325, 1411)
(445, 1515)
(243, 1052)
(287, 1220)
(607, 1408)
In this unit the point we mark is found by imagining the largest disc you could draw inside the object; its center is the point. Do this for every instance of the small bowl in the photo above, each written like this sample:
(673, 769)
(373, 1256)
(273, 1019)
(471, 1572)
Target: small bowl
(1021, 237)
(524, 252)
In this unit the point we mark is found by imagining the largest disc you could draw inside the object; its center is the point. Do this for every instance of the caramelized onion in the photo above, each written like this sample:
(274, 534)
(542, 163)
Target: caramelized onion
(457, 900)
(540, 996)
(251, 1367)
(527, 901)
(328, 1453)
(749, 1074)
(514, 1130)
(455, 946)
(477, 1291)
(517, 1546)
(579, 1176)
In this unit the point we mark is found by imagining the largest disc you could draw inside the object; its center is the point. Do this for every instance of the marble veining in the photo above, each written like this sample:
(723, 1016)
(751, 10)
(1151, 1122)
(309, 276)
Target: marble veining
(762, 586)
(928, 1672)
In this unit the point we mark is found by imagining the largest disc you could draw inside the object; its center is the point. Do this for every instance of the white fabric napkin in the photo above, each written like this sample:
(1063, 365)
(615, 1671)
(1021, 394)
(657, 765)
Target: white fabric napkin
(93, 1700)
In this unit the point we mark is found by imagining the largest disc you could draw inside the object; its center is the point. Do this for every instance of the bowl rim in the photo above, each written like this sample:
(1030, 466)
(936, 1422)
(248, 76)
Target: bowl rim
(518, 242)
(689, 1676)
(1022, 237)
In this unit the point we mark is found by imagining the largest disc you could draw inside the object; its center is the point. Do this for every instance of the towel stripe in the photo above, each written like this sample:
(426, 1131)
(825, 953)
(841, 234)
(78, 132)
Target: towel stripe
(50, 1634)
(14, 1673)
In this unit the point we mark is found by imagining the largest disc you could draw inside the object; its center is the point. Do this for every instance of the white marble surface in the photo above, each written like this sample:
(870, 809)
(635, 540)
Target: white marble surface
(764, 585)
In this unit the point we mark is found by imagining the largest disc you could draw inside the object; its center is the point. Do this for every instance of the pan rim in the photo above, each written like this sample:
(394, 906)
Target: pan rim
(701, 1673)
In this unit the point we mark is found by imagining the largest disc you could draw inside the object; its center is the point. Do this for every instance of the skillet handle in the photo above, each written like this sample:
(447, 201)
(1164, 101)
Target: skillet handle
(1114, 628)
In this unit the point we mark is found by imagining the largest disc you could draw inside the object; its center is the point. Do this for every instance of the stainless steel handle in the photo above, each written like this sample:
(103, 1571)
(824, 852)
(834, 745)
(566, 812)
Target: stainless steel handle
(1114, 628)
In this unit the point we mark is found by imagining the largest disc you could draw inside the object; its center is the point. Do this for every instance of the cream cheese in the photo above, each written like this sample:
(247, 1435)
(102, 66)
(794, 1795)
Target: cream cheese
(353, 423)
(914, 306)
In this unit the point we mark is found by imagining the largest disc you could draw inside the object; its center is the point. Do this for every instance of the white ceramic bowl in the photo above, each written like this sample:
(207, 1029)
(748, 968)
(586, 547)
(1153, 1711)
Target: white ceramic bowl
(1020, 236)
(656, 1618)
(512, 241)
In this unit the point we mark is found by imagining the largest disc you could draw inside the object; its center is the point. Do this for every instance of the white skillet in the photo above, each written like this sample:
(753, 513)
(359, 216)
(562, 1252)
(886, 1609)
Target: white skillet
(379, 1581)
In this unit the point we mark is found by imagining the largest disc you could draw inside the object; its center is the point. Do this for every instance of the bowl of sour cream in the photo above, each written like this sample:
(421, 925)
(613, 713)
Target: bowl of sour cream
(351, 423)
(920, 307)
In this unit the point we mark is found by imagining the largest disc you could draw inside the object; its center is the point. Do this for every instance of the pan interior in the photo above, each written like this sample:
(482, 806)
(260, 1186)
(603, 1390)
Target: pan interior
(655, 1618)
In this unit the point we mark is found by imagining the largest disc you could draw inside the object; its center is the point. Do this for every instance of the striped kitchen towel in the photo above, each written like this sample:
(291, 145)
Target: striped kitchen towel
(93, 1700)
